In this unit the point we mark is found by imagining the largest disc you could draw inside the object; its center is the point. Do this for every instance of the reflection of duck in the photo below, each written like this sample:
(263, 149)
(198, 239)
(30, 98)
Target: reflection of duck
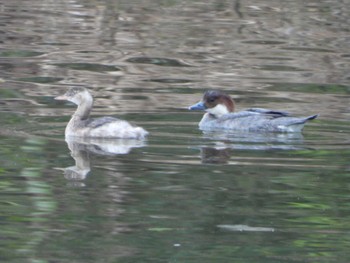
(81, 148)
(80, 170)
(220, 115)
(81, 125)
(258, 141)
(211, 155)
(101, 146)
(227, 143)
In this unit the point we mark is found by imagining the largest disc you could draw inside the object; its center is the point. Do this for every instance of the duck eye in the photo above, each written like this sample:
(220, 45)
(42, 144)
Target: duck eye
(211, 100)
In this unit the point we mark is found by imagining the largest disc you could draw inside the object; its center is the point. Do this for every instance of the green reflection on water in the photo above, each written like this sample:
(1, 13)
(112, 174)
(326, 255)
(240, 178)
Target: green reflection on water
(160, 203)
(19, 53)
(26, 198)
(311, 88)
(88, 67)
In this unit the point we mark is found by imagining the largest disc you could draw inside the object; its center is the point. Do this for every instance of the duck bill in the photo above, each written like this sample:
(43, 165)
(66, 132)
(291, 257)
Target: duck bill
(198, 106)
(61, 97)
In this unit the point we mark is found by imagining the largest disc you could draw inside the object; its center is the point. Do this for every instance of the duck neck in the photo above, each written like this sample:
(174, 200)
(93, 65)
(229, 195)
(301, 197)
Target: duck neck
(83, 110)
(218, 111)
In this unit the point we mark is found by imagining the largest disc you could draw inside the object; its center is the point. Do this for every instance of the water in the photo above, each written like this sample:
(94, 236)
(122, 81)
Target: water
(182, 195)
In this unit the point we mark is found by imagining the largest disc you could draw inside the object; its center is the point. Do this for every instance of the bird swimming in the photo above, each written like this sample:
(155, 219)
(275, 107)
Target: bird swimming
(81, 125)
(220, 115)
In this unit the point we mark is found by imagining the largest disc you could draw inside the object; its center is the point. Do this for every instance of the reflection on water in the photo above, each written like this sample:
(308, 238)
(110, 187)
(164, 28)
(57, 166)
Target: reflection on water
(158, 61)
(103, 146)
(82, 148)
(184, 195)
(214, 155)
(287, 139)
(81, 157)
(246, 228)
(26, 203)
(226, 143)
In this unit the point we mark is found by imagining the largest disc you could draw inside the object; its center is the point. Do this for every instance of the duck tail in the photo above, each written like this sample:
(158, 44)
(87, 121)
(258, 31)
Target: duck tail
(297, 124)
(304, 120)
(140, 133)
(312, 117)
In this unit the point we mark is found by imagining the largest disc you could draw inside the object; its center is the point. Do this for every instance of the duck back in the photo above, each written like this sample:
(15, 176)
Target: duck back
(104, 127)
(255, 120)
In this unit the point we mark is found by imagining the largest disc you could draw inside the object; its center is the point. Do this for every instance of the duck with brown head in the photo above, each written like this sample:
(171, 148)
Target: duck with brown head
(220, 115)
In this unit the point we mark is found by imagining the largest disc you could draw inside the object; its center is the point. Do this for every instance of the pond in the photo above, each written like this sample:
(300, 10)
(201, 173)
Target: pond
(181, 195)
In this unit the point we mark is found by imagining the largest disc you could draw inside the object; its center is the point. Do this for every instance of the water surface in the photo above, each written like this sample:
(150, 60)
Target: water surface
(182, 195)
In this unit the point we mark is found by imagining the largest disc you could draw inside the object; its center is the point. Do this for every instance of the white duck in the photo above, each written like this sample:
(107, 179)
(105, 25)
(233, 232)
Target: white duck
(81, 125)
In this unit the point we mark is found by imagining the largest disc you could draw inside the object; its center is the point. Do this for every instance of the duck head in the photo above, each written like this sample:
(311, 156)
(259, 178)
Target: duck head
(77, 95)
(215, 102)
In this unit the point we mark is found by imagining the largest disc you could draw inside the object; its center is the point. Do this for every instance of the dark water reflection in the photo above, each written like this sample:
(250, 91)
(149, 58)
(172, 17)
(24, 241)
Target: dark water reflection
(182, 195)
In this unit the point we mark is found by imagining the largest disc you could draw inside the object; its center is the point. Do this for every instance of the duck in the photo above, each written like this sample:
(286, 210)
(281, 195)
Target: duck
(220, 115)
(81, 125)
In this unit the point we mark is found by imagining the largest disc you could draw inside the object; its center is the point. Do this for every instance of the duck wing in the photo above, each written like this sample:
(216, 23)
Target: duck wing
(276, 114)
(260, 113)
(269, 112)
(257, 119)
(97, 122)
